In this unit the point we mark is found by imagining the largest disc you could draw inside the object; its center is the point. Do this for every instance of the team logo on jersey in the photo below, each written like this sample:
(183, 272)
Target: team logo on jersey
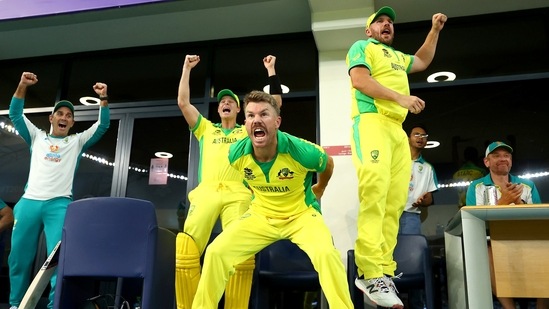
(248, 174)
(420, 168)
(217, 132)
(374, 154)
(237, 131)
(54, 148)
(285, 173)
(386, 53)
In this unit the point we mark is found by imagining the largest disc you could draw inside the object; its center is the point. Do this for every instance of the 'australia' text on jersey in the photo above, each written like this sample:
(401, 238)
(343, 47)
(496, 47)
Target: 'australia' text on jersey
(224, 140)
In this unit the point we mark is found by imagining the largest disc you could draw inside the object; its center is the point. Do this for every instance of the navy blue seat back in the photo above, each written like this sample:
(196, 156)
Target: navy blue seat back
(282, 266)
(116, 238)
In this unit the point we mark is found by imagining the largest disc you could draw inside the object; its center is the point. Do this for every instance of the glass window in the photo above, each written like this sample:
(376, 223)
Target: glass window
(14, 162)
(476, 115)
(163, 134)
(94, 176)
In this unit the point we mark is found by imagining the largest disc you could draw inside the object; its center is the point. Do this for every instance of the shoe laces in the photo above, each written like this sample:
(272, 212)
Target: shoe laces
(389, 282)
(381, 284)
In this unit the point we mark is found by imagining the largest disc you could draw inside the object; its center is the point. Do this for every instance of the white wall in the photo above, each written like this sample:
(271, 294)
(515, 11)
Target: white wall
(340, 201)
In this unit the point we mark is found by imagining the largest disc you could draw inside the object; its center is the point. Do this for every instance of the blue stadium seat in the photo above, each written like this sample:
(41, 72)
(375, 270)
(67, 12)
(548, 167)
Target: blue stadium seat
(109, 237)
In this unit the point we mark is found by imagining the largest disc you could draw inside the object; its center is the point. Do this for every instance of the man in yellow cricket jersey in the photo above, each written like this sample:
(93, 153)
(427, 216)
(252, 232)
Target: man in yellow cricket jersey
(380, 102)
(221, 192)
(279, 169)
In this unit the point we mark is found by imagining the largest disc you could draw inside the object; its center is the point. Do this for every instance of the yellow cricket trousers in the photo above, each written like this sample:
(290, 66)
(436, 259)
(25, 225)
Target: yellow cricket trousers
(381, 155)
(253, 232)
(226, 200)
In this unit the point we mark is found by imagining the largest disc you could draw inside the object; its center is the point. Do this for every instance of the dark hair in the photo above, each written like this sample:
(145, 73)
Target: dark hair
(260, 96)
(416, 125)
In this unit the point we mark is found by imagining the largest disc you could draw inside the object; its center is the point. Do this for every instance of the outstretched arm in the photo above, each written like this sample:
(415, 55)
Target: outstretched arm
(101, 90)
(184, 93)
(27, 79)
(426, 52)
(275, 88)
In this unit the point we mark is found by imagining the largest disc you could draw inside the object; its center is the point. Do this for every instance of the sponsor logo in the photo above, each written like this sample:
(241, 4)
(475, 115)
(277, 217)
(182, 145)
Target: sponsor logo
(53, 157)
(248, 174)
(397, 67)
(386, 53)
(372, 288)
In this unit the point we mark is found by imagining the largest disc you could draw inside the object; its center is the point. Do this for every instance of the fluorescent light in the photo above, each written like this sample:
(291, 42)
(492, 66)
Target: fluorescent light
(432, 144)
(433, 77)
(163, 154)
(90, 101)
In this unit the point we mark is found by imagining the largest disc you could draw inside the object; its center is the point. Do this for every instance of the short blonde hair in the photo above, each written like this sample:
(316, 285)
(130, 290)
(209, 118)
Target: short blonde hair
(257, 96)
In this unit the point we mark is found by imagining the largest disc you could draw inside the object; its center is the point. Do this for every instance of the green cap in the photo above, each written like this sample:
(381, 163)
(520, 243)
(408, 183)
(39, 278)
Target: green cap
(64, 103)
(495, 145)
(228, 92)
(383, 11)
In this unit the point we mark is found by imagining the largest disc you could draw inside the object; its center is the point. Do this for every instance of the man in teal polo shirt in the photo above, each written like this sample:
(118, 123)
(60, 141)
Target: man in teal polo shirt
(510, 189)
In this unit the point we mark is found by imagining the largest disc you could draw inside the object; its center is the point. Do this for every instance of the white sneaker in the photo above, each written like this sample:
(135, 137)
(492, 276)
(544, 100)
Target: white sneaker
(380, 291)
(390, 284)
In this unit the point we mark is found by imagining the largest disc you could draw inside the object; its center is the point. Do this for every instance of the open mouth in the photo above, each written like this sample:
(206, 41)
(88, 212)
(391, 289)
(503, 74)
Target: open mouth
(62, 126)
(386, 31)
(226, 110)
(259, 133)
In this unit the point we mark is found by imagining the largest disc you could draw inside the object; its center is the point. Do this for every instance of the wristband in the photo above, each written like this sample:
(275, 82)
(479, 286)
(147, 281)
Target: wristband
(274, 85)
(105, 98)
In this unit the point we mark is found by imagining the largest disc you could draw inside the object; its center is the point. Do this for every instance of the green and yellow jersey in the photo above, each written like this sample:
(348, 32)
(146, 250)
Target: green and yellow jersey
(214, 142)
(281, 187)
(389, 67)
